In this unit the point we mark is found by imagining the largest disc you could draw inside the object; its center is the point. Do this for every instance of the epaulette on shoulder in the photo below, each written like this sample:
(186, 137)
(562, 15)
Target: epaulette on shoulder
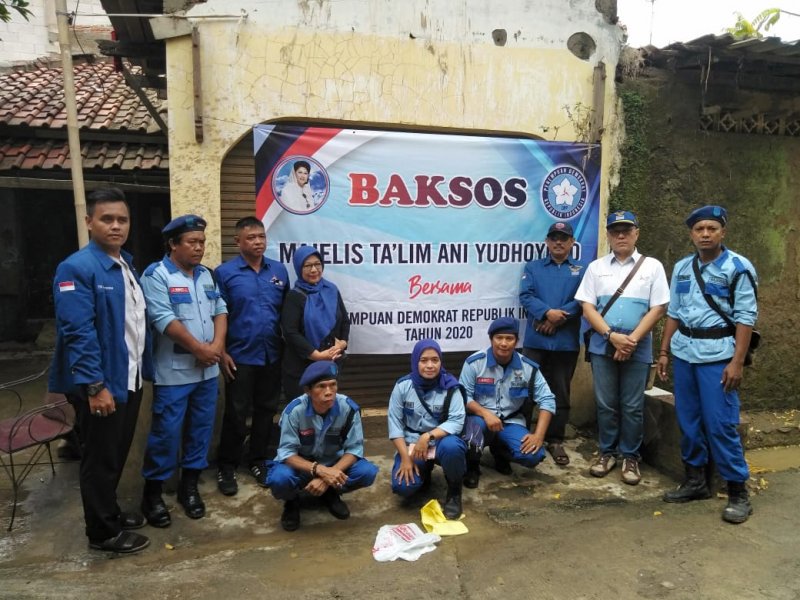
(476, 356)
(352, 404)
(403, 378)
(148, 272)
(528, 361)
(293, 404)
(737, 262)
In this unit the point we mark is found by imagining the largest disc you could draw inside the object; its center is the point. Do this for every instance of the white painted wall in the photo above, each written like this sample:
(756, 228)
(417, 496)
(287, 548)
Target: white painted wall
(24, 41)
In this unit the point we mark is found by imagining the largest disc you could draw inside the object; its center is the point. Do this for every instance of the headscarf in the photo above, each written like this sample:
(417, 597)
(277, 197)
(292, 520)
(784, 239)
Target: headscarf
(444, 381)
(322, 299)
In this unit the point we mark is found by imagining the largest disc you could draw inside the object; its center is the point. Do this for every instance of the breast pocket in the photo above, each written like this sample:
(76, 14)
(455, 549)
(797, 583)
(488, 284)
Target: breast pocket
(682, 289)
(485, 390)
(518, 393)
(182, 305)
(307, 437)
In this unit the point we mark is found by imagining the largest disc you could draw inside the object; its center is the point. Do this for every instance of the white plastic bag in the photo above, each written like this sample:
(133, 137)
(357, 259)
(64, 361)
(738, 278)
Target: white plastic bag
(406, 541)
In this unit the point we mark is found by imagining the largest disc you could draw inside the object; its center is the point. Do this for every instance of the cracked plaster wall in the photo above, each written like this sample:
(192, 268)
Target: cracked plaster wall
(417, 64)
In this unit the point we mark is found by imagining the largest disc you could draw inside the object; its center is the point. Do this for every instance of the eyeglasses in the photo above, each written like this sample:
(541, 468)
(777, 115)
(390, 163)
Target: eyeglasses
(620, 231)
(311, 266)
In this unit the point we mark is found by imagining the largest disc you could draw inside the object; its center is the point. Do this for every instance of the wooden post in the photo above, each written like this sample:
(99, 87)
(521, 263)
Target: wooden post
(75, 158)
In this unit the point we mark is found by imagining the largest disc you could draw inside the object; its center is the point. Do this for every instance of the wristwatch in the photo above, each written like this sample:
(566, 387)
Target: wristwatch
(607, 335)
(431, 438)
(95, 388)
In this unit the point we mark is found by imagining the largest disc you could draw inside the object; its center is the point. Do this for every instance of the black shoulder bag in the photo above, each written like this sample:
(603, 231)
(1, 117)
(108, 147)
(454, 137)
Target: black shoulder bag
(755, 336)
(588, 333)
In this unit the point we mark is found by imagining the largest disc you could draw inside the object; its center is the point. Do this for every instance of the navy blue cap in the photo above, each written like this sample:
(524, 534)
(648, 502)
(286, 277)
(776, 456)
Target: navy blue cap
(622, 217)
(708, 213)
(183, 224)
(504, 325)
(320, 370)
(560, 227)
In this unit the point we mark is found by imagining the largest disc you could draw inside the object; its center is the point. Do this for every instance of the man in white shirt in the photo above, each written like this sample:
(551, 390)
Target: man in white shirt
(621, 346)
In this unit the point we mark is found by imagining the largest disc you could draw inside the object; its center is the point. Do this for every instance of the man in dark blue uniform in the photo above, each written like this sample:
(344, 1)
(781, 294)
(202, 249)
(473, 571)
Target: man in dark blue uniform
(102, 355)
(709, 352)
(547, 292)
(254, 288)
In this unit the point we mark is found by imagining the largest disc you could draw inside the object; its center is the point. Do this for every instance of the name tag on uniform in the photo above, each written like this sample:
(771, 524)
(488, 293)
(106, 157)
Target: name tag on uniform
(485, 380)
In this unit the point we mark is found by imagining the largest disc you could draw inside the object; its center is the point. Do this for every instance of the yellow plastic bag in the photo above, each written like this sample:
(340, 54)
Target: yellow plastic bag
(434, 521)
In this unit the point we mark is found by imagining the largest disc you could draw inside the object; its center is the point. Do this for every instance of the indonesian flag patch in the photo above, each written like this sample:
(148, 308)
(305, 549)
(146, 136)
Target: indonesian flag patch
(66, 286)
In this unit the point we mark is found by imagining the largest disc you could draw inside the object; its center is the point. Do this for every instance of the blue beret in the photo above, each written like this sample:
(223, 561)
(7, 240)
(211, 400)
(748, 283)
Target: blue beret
(622, 217)
(319, 371)
(504, 325)
(183, 224)
(708, 213)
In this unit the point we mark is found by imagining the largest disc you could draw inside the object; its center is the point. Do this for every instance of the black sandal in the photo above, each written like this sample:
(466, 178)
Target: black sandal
(560, 456)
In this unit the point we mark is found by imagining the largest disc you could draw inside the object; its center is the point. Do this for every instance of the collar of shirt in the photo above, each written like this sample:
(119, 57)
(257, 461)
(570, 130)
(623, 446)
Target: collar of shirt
(548, 260)
(516, 362)
(332, 413)
(633, 257)
(105, 260)
(241, 263)
(172, 268)
(718, 262)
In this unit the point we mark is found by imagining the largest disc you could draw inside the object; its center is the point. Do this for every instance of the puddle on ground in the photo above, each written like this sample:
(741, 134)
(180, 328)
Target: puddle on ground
(781, 458)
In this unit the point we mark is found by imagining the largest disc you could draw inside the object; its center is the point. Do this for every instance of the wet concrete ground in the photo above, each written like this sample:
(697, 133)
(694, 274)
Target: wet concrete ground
(548, 533)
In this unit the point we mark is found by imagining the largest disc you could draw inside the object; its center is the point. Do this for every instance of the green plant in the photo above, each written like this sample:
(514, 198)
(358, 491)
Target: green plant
(20, 6)
(744, 29)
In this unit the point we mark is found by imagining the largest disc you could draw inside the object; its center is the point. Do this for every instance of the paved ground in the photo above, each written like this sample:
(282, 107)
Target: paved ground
(549, 533)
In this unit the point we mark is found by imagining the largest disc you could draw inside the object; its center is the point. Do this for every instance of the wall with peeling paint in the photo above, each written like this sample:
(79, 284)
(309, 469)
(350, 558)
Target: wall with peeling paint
(416, 63)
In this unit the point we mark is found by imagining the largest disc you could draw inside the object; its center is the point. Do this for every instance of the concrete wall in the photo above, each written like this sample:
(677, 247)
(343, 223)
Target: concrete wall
(24, 41)
(417, 64)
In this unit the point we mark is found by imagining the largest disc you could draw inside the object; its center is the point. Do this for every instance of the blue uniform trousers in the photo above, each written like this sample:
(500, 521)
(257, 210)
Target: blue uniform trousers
(619, 392)
(286, 483)
(451, 455)
(708, 417)
(510, 438)
(180, 412)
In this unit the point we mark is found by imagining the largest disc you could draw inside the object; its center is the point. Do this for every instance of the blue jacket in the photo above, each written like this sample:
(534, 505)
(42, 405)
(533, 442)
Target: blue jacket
(89, 298)
(545, 285)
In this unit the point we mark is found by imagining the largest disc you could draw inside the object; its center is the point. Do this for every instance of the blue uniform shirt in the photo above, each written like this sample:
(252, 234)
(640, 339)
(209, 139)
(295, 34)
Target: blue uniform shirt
(195, 301)
(547, 285)
(407, 416)
(317, 438)
(89, 296)
(254, 302)
(503, 390)
(688, 305)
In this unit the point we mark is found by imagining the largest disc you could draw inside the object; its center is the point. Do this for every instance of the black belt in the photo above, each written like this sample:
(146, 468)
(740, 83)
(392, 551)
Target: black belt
(707, 333)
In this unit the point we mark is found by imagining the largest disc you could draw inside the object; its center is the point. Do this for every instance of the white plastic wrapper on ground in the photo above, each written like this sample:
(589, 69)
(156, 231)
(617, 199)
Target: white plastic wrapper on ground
(406, 541)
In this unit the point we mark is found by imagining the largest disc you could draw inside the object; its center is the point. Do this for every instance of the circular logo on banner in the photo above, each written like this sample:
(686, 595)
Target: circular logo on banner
(564, 192)
(300, 184)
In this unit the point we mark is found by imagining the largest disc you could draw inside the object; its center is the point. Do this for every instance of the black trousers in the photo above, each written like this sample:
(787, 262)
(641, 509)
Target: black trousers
(256, 389)
(105, 442)
(557, 367)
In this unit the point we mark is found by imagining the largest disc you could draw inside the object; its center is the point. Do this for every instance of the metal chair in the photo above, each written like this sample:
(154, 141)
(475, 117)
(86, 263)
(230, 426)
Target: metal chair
(35, 428)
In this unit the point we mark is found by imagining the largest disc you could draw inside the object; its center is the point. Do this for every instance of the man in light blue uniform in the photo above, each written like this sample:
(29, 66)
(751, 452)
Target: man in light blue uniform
(321, 449)
(547, 293)
(499, 382)
(709, 353)
(189, 319)
(621, 346)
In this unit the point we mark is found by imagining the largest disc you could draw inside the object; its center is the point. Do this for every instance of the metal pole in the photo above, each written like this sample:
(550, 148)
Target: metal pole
(75, 158)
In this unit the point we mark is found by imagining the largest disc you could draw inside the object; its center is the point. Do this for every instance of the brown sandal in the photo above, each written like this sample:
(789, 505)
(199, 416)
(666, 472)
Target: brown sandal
(560, 456)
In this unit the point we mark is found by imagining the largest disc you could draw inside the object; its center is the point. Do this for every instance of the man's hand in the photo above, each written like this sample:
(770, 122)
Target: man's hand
(493, 422)
(732, 375)
(228, 367)
(316, 487)
(531, 443)
(663, 362)
(332, 476)
(102, 403)
(545, 328)
(556, 316)
(207, 355)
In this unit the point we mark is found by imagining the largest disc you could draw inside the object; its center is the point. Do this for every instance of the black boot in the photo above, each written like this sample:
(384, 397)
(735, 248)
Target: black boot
(739, 507)
(336, 506)
(502, 460)
(189, 495)
(473, 474)
(694, 486)
(153, 507)
(290, 518)
(452, 503)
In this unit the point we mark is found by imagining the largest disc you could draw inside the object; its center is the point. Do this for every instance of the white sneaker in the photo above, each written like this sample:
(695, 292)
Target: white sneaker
(603, 465)
(630, 471)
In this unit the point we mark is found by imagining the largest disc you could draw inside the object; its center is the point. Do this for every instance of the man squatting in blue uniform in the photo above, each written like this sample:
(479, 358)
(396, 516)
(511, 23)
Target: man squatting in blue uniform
(498, 382)
(321, 449)
(254, 288)
(426, 417)
(190, 321)
(709, 356)
(552, 335)
(102, 355)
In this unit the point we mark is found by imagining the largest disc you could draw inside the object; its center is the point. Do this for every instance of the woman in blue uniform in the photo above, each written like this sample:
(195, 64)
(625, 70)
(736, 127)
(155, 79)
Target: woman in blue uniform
(426, 416)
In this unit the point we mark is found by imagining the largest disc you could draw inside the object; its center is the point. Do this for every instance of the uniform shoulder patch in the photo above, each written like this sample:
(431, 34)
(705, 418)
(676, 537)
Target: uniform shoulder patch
(737, 262)
(148, 272)
(352, 404)
(403, 378)
(293, 404)
(528, 361)
(476, 356)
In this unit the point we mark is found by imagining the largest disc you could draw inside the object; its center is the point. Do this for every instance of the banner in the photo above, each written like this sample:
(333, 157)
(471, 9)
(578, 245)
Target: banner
(424, 234)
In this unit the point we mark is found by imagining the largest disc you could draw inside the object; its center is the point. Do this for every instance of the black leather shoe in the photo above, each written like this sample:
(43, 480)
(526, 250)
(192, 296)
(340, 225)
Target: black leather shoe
(131, 520)
(473, 475)
(189, 495)
(336, 506)
(739, 508)
(125, 542)
(694, 487)
(452, 504)
(290, 518)
(155, 511)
